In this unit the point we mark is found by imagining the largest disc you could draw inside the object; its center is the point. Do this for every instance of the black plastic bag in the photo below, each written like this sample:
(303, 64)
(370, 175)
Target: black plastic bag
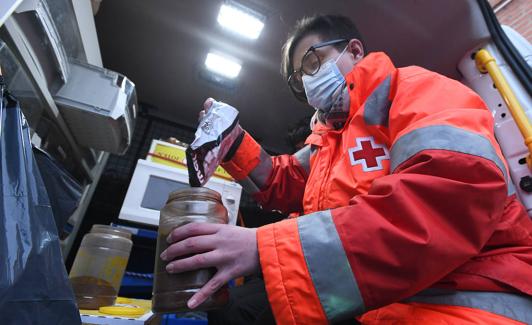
(34, 287)
(63, 190)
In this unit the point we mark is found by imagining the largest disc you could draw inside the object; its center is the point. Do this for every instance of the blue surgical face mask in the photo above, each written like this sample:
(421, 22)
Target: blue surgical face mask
(327, 92)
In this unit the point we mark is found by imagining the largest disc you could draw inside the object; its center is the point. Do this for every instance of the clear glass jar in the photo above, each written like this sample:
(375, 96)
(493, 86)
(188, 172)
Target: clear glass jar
(99, 266)
(172, 291)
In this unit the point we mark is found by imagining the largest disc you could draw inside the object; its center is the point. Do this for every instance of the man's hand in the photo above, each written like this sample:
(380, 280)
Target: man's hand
(231, 250)
(206, 106)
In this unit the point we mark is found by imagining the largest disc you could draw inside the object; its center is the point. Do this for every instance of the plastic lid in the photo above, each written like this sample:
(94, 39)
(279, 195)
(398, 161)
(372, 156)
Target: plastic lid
(195, 193)
(122, 310)
(123, 300)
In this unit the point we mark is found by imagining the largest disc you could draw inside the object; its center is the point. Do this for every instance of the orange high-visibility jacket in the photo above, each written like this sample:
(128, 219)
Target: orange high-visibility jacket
(412, 193)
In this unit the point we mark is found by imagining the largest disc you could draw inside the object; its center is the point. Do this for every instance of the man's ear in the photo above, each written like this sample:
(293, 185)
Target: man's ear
(356, 48)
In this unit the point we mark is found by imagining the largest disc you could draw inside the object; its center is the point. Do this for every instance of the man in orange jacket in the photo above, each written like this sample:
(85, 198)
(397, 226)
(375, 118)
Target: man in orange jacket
(409, 212)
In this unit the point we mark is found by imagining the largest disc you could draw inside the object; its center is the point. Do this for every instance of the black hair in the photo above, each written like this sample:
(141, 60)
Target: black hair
(327, 27)
(298, 132)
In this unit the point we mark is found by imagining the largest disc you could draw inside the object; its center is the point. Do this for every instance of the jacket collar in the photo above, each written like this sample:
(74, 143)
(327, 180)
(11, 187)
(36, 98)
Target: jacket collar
(365, 77)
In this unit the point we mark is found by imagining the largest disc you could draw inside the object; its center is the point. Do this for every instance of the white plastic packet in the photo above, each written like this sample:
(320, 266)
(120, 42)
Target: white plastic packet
(217, 131)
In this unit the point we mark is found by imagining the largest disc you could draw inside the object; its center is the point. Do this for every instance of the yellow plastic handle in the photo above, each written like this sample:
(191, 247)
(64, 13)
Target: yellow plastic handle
(487, 64)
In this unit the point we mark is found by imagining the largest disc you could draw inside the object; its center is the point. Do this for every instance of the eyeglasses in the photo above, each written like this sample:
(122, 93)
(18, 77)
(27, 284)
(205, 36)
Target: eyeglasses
(310, 65)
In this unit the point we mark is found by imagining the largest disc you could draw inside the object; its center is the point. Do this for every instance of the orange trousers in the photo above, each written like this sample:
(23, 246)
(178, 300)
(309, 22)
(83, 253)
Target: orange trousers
(419, 313)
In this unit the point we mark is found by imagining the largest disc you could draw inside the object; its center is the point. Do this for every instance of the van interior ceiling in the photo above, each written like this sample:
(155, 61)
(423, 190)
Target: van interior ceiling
(169, 75)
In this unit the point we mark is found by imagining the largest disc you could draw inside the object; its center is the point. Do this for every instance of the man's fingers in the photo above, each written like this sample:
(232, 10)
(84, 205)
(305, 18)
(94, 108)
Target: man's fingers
(214, 284)
(207, 104)
(198, 261)
(192, 229)
(206, 107)
(191, 245)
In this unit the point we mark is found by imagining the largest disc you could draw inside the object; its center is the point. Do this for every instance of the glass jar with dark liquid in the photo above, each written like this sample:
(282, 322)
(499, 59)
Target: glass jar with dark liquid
(172, 291)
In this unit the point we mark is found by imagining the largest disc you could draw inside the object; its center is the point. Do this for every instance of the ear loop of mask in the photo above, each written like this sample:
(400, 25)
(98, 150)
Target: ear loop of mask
(342, 53)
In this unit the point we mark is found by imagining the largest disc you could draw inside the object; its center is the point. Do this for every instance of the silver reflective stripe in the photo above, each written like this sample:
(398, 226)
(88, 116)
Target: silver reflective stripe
(303, 157)
(259, 175)
(514, 306)
(249, 186)
(257, 178)
(444, 137)
(511, 187)
(328, 267)
(377, 106)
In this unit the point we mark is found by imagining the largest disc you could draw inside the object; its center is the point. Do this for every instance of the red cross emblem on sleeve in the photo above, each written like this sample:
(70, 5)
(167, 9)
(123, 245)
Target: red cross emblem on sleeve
(368, 154)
